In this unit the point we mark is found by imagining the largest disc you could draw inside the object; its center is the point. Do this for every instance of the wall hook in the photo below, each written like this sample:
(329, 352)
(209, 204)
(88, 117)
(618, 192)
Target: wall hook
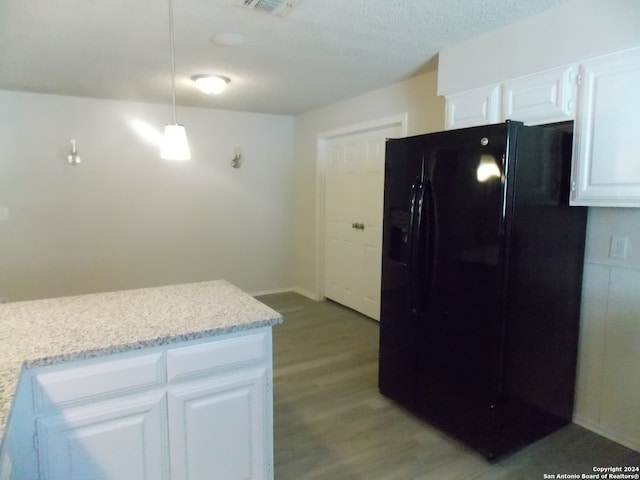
(73, 158)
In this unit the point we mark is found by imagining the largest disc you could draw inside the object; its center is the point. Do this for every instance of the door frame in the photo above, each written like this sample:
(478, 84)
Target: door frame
(398, 120)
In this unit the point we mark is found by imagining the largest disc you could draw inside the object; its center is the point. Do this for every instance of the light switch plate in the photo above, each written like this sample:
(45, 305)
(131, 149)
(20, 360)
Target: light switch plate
(618, 247)
(4, 212)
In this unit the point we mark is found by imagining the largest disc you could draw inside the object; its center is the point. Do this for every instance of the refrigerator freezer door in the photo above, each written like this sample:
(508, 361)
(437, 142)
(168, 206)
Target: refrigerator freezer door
(398, 317)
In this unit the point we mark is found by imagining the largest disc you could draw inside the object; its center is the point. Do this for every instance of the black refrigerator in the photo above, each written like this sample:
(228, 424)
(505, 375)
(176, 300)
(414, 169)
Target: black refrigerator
(481, 281)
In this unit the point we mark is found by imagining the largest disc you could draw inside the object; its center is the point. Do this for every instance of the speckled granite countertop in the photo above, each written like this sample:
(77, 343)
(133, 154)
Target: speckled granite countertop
(44, 332)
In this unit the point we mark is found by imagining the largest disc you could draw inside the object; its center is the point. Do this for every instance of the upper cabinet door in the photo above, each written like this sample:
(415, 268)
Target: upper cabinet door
(606, 156)
(544, 97)
(480, 106)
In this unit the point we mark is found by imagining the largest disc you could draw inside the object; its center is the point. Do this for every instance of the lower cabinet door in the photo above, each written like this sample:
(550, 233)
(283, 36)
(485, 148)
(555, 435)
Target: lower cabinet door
(124, 438)
(220, 427)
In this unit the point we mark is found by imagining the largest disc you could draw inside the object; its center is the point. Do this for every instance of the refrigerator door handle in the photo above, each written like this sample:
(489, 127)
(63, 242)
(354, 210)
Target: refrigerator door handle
(430, 242)
(410, 242)
(412, 214)
(415, 230)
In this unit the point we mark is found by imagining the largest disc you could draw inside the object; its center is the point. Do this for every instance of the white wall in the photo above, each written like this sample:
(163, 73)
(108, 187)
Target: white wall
(574, 31)
(608, 385)
(425, 112)
(124, 218)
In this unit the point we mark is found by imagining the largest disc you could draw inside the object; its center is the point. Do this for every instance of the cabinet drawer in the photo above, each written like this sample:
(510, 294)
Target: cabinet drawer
(78, 384)
(217, 354)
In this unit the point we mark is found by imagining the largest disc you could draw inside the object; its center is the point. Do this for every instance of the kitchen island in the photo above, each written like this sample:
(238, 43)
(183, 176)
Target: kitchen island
(126, 383)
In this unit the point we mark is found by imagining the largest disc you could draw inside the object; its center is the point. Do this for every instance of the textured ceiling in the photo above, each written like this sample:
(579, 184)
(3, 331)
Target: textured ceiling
(321, 52)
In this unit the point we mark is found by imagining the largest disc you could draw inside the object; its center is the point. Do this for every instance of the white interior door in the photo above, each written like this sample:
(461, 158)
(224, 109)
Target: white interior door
(354, 188)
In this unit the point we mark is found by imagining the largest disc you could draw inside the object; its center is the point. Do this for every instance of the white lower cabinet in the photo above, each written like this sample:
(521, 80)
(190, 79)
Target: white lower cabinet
(188, 411)
(122, 438)
(217, 428)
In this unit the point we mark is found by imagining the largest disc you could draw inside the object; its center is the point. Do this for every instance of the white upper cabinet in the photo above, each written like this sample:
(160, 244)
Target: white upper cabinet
(544, 97)
(479, 106)
(606, 151)
(602, 96)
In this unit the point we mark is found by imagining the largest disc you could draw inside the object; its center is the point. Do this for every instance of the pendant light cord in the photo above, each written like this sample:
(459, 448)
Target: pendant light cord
(173, 63)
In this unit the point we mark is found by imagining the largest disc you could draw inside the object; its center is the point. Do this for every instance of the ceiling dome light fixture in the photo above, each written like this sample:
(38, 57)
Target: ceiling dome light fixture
(174, 144)
(211, 84)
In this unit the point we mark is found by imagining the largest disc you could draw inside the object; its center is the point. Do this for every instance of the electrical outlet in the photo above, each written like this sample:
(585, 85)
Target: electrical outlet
(618, 247)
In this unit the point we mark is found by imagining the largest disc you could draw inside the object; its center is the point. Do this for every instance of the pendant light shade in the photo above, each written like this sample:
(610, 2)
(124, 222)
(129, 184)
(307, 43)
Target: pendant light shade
(174, 142)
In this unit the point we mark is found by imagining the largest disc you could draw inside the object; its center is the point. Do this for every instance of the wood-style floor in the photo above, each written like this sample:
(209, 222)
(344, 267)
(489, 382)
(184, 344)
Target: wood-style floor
(331, 422)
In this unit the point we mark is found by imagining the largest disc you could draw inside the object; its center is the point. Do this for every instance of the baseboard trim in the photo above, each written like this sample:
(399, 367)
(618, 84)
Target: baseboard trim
(271, 291)
(306, 293)
(632, 443)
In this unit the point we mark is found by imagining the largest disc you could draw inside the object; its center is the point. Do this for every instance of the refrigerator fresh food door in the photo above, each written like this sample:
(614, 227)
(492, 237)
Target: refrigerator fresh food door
(459, 327)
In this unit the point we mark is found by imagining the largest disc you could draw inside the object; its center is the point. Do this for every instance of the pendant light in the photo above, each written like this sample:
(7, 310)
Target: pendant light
(174, 142)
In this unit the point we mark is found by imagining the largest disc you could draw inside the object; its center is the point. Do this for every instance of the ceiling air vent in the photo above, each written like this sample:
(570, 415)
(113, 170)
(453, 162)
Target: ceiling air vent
(274, 7)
